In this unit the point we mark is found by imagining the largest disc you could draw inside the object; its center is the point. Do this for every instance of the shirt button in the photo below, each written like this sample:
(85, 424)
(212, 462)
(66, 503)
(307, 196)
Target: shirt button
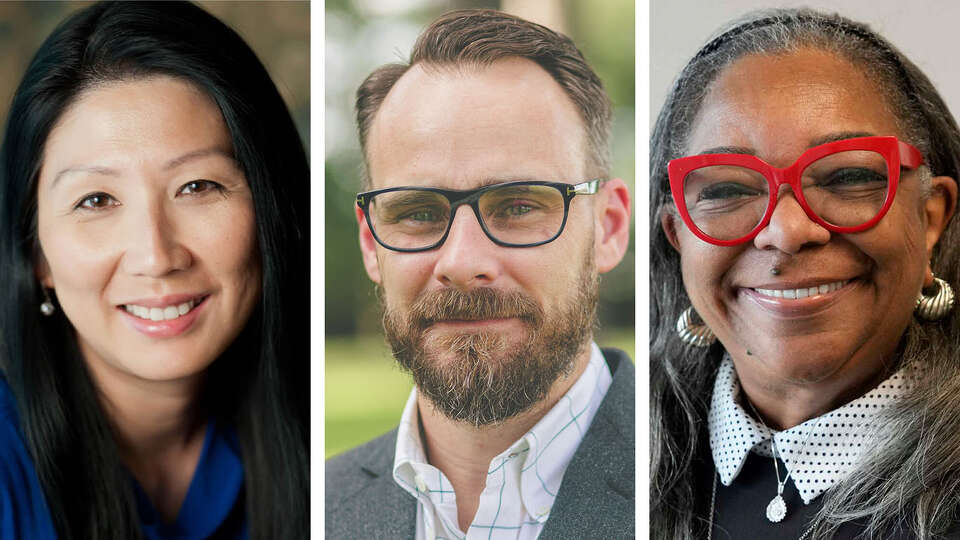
(421, 485)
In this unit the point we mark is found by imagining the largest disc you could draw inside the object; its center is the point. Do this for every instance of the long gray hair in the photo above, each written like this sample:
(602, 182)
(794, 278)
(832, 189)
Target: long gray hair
(913, 478)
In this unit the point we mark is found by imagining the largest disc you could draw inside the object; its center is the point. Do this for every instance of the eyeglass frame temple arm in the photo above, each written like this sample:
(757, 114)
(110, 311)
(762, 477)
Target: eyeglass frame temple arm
(909, 155)
(589, 187)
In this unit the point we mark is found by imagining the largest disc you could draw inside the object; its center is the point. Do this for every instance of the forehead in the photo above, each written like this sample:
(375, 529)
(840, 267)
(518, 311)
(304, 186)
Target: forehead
(779, 105)
(464, 126)
(128, 124)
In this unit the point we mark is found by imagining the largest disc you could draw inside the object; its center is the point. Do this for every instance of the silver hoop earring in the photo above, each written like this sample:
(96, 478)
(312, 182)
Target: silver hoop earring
(691, 333)
(936, 306)
(46, 307)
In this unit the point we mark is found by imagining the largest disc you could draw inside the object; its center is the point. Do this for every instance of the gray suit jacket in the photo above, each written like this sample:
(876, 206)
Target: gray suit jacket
(596, 497)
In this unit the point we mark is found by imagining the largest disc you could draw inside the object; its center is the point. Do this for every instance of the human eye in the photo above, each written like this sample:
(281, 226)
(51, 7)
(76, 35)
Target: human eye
(421, 215)
(725, 191)
(521, 202)
(196, 187)
(852, 178)
(410, 208)
(515, 208)
(95, 202)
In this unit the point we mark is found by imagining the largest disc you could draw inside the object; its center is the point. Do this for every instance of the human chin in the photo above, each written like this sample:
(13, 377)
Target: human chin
(482, 378)
(133, 359)
(485, 376)
(814, 351)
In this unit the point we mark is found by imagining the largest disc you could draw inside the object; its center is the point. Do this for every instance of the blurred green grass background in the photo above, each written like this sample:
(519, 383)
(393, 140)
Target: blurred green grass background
(365, 391)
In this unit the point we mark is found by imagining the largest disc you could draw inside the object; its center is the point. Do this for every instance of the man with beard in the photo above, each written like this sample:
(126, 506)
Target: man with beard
(487, 217)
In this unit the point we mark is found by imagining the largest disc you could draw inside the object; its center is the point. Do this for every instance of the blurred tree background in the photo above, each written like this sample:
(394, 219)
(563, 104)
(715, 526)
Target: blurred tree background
(279, 32)
(364, 391)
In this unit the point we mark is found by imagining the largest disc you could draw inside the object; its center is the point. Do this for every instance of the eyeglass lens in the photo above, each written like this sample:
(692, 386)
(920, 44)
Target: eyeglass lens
(512, 214)
(845, 189)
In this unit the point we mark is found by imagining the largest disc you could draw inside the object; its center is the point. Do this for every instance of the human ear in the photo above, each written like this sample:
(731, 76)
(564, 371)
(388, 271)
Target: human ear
(939, 208)
(612, 223)
(668, 222)
(368, 247)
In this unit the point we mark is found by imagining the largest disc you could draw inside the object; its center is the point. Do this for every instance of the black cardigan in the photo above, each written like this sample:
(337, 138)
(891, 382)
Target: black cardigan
(740, 511)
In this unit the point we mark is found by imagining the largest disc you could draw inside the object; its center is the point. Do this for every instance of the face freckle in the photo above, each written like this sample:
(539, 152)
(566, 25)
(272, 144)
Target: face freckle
(777, 107)
(147, 230)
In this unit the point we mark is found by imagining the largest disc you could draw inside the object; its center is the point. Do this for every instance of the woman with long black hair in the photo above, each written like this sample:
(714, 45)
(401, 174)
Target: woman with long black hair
(153, 260)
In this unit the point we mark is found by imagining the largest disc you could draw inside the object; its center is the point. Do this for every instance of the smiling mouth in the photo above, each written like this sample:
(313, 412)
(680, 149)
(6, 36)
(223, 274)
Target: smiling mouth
(164, 313)
(802, 292)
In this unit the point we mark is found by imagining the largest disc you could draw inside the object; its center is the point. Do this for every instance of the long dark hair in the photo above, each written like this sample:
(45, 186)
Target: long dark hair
(261, 383)
(915, 475)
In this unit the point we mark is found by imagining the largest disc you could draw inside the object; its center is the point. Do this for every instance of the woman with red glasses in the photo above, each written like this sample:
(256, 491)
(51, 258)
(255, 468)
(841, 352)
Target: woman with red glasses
(805, 374)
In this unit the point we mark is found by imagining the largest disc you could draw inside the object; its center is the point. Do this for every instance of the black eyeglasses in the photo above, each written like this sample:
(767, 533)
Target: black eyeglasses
(513, 214)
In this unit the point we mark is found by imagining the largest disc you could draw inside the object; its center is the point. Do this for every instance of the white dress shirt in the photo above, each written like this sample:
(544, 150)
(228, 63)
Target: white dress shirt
(522, 482)
(818, 453)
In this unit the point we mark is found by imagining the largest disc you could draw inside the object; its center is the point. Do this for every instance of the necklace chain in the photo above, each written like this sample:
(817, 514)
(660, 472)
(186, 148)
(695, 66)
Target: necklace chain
(780, 513)
(776, 451)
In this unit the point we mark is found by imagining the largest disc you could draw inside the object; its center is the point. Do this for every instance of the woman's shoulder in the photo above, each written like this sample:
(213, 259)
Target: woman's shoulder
(23, 508)
(11, 435)
(9, 418)
(16, 465)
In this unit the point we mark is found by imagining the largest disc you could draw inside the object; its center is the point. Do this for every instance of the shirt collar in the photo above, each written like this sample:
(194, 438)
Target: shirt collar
(555, 437)
(819, 452)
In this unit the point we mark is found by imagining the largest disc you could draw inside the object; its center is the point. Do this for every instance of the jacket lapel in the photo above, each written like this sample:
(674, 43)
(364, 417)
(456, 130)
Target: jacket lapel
(376, 507)
(596, 497)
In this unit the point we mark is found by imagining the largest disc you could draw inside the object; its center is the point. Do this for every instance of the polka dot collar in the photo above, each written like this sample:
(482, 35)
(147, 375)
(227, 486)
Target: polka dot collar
(837, 440)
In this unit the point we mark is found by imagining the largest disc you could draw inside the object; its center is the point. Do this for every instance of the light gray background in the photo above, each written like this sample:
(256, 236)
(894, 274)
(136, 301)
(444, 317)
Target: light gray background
(928, 32)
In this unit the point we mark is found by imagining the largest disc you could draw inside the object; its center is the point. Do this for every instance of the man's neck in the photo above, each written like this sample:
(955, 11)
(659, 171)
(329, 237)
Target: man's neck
(463, 452)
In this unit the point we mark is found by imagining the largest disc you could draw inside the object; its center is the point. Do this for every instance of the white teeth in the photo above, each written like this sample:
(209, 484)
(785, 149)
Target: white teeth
(802, 292)
(160, 314)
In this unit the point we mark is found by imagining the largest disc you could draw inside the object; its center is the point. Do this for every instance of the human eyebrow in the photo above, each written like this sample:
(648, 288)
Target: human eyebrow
(172, 164)
(412, 196)
(838, 136)
(91, 169)
(492, 181)
(728, 150)
(197, 154)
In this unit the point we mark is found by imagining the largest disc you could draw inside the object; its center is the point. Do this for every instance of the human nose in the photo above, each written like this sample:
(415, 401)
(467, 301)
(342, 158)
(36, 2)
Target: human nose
(467, 258)
(790, 228)
(153, 245)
